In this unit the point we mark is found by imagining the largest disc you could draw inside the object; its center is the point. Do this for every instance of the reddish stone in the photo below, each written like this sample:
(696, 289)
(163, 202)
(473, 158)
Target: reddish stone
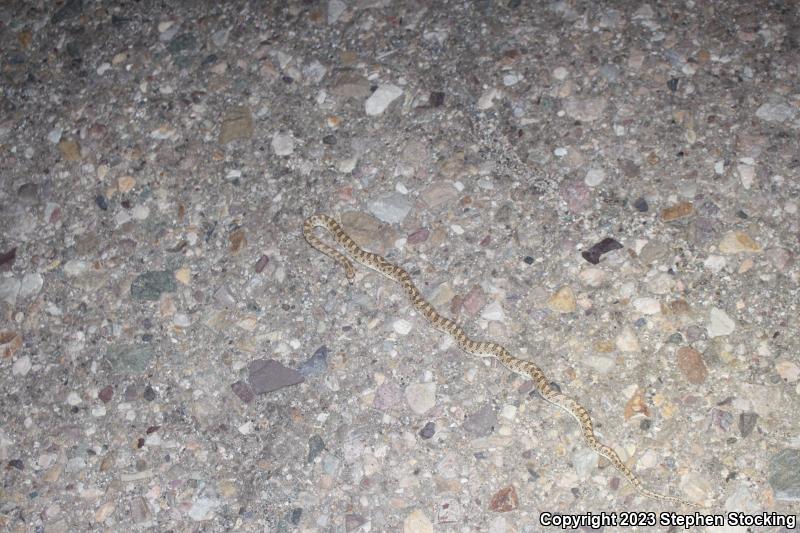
(691, 365)
(504, 500)
(106, 394)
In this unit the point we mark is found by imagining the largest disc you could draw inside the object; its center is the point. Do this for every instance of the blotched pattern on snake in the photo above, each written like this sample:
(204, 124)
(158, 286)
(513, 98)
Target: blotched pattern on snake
(526, 369)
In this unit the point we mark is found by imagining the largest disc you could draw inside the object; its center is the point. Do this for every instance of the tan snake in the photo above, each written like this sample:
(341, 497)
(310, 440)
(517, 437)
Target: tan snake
(525, 369)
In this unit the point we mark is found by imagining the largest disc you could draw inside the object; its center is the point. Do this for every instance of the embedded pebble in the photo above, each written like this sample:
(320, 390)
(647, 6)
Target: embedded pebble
(584, 461)
(784, 474)
(594, 177)
(10, 343)
(392, 208)
(384, 95)
(691, 365)
(563, 300)
(316, 364)
(481, 422)
(237, 124)
(585, 109)
(593, 277)
(627, 340)
(647, 306)
(677, 211)
(601, 364)
(715, 263)
(606, 245)
(282, 143)
(736, 242)
(439, 193)
(747, 422)
(781, 258)
(148, 286)
(417, 522)
(775, 112)
(504, 500)
(203, 509)
(387, 396)
(494, 311)
(126, 358)
(421, 397)
(21, 366)
(9, 290)
(402, 326)
(474, 300)
(719, 323)
(788, 370)
(268, 375)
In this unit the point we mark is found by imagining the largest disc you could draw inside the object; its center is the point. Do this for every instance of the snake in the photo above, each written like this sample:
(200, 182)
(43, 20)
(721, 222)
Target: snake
(524, 368)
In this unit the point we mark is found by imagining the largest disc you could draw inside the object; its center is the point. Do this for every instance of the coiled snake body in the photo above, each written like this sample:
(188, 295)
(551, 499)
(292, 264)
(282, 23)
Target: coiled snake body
(525, 369)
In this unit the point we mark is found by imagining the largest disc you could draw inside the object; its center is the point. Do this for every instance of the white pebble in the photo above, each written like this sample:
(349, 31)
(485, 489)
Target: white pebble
(384, 95)
(402, 326)
(626, 341)
(98, 411)
(73, 399)
(73, 267)
(560, 73)
(715, 263)
(140, 212)
(560, 152)
(648, 306)
(509, 411)
(487, 98)
(458, 230)
(595, 177)
(511, 78)
(55, 135)
(282, 144)
(401, 188)
(747, 174)
(421, 397)
(21, 366)
(719, 323)
(494, 311)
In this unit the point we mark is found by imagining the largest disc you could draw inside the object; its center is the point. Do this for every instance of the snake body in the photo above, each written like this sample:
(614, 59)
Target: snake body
(524, 368)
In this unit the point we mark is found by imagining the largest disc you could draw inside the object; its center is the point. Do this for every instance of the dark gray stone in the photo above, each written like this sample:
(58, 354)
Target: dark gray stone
(784, 475)
(71, 9)
(747, 422)
(129, 358)
(148, 286)
(428, 431)
(315, 447)
(316, 364)
(268, 375)
(481, 422)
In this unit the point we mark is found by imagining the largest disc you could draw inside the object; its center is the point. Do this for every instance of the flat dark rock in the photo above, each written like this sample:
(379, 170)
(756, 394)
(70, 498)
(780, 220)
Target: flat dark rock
(606, 245)
(267, 375)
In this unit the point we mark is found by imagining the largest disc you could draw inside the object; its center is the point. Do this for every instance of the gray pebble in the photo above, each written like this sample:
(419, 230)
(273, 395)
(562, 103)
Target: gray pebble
(482, 422)
(316, 364)
(267, 375)
(391, 208)
(747, 422)
(315, 447)
(129, 358)
(784, 475)
(28, 194)
(150, 285)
